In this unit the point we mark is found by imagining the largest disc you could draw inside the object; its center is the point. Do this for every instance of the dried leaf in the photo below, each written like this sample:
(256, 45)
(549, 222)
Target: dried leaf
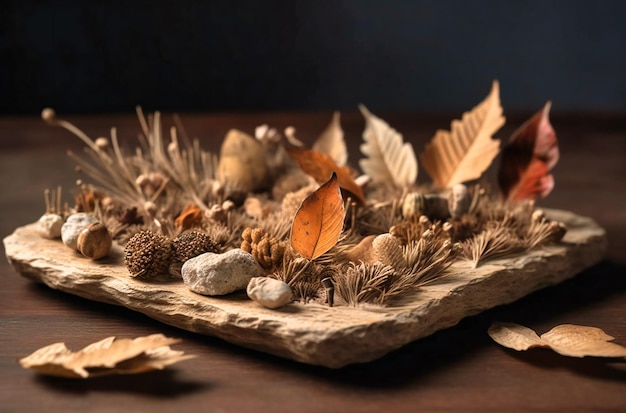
(332, 143)
(389, 159)
(191, 216)
(319, 221)
(468, 149)
(566, 339)
(531, 153)
(105, 357)
(320, 166)
(514, 336)
(580, 341)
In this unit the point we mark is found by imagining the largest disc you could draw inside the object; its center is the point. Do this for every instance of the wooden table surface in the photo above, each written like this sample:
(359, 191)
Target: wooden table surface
(459, 369)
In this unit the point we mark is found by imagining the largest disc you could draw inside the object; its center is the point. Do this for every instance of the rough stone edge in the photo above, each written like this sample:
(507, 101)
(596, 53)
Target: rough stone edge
(316, 334)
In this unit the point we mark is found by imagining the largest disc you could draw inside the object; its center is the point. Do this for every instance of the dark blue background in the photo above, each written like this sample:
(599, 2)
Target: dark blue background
(87, 56)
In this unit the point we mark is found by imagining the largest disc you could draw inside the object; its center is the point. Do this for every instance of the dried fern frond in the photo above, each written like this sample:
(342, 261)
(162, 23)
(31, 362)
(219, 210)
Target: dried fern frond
(427, 260)
(543, 231)
(378, 218)
(277, 225)
(415, 264)
(497, 240)
(303, 276)
(362, 283)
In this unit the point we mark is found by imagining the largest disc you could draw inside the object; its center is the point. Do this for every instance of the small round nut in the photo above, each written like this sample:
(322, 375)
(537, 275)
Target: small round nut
(94, 241)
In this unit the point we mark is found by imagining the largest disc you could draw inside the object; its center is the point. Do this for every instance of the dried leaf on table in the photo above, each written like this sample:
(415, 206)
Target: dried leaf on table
(566, 339)
(388, 158)
(514, 336)
(532, 151)
(332, 143)
(320, 166)
(106, 357)
(319, 221)
(467, 150)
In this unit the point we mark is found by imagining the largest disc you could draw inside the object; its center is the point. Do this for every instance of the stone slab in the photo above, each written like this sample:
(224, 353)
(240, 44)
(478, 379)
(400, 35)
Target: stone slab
(314, 333)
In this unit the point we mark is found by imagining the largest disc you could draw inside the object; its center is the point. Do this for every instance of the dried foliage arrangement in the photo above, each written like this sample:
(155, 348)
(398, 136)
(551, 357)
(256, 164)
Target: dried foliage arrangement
(306, 216)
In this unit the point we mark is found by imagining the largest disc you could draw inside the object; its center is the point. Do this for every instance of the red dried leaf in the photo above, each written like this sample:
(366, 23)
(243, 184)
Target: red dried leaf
(320, 166)
(527, 159)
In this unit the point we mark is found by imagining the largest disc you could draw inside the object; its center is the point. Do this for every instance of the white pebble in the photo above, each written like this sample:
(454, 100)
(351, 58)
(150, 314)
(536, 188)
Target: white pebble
(72, 227)
(219, 274)
(49, 226)
(269, 292)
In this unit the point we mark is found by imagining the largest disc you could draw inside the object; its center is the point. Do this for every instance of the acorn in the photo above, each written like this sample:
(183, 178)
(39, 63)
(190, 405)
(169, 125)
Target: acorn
(148, 255)
(94, 241)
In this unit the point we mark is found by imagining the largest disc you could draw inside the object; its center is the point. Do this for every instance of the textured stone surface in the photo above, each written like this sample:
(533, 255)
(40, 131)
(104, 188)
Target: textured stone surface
(49, 226)
(220, 274)
(313, 333)
(269, 292)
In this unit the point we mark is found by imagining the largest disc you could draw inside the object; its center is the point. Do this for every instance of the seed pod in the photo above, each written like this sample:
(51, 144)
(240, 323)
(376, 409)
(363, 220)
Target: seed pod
(94, 241)
(191, 244)
(147, 255)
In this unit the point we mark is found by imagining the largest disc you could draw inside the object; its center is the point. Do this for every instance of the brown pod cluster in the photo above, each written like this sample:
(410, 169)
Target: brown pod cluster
(268, 252)
(191, 244)
(148, 255)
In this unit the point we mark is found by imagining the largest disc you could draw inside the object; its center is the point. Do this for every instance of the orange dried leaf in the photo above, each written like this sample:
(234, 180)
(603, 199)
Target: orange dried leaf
(320, 166)
(105, 357)
(567, 339)
(191, 216)
(468, 149)
(527, 159)
(319, 221)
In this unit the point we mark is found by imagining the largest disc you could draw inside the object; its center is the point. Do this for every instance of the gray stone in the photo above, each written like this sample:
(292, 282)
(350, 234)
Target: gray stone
(269, 292)
(219, 274)
(74, 224)
(49, 226)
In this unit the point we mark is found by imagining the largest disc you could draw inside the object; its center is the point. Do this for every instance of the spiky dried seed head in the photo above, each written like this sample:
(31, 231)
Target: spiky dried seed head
(191, 244)
(148, 254)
